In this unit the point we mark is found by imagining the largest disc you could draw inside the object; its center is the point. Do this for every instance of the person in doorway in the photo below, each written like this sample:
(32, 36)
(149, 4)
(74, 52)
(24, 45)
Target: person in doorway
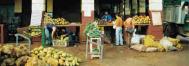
(118, 27)
(50, 30)
(107, 17)
(129, 29)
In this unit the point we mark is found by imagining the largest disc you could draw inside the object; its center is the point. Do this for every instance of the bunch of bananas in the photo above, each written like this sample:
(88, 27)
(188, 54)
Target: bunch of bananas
(141, 20)
(11, 55)
(57, 21)
(60, 21)
(47, 19)
(34, 31)
(62, 40)
(150, 42)
(55, 57)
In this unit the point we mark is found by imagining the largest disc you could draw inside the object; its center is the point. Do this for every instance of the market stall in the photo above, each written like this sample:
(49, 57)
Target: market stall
(63, 16)
(61, 8)
(66, 32)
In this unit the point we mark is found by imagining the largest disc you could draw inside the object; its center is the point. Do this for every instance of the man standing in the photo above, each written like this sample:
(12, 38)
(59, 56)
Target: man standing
(107, 17)
(129, 29)
(118, 28)
(49, 33)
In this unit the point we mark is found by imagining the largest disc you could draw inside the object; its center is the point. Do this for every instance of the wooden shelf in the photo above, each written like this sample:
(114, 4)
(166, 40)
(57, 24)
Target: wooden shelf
(105, 25)
(141, 24)
(69, 25)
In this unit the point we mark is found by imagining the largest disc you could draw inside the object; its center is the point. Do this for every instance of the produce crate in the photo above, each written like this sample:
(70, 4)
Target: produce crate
(36, 38)
(58, 42)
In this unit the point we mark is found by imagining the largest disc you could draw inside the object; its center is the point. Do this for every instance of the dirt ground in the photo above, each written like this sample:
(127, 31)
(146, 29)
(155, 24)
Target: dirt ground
(123, 56)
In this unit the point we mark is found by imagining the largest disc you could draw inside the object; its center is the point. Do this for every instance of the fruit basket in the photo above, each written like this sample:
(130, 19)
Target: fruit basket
(63, 41)
(36, 38)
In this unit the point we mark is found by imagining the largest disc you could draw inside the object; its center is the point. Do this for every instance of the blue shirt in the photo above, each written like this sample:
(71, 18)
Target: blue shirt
(107, 18)
(49, 27)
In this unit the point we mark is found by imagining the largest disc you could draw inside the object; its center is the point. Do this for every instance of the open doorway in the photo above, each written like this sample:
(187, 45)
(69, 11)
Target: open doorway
(26, 12)
(110, 6)
(68, 9)
(13, 19)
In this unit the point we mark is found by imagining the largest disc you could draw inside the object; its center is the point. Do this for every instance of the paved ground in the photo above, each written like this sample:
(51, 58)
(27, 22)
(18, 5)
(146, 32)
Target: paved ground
(122, 56)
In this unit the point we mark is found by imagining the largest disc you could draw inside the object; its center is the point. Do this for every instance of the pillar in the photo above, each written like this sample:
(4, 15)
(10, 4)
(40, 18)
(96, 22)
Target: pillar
(87, 16)
(155, 12)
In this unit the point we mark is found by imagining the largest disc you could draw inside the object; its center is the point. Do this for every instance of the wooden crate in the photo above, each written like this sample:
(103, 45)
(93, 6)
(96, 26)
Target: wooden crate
(36, 39)
(58, 42)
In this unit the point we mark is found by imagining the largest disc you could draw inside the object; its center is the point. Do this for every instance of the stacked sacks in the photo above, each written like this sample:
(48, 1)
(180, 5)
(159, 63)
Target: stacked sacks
(165, 44)
(176, 43)
(149, 42)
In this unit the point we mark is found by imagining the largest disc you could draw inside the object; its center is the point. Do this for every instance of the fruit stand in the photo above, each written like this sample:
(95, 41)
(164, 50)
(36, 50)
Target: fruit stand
(63, 41)
(94, 45)
(61, 23)
(139, 23)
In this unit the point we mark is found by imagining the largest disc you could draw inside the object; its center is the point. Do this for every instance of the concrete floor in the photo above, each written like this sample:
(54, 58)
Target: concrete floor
(123, 56)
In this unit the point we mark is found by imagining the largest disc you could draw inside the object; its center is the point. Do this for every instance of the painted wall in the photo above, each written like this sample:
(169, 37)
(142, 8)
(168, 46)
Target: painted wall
(18, 6)
(49, 5)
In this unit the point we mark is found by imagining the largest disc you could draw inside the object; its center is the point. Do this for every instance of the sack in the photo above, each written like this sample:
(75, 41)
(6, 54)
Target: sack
(135, 39)
(151, 49)
(139, 47)
(166, 43)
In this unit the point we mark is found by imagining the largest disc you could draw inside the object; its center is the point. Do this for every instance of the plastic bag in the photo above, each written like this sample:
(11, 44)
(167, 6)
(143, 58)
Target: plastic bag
(174, 41)
(149, 42)
(114, 26)
(136, 38)
(166, 43)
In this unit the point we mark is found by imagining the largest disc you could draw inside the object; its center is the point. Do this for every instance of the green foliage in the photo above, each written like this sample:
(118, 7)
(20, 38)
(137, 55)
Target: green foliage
(92, 30)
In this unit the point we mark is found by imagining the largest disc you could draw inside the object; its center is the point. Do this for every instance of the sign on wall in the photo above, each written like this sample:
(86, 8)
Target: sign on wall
(127, 7)
(49, 5)
(156, 18)
(142, 6)
(37, 9)
(87, 7)
(18, 6)
(155, 5)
